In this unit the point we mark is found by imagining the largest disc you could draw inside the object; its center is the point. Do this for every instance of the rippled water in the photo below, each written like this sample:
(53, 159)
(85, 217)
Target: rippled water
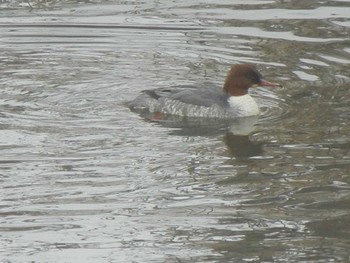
(83, 179)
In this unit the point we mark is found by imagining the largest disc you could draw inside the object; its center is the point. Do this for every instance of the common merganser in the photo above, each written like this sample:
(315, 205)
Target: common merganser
(233, 101)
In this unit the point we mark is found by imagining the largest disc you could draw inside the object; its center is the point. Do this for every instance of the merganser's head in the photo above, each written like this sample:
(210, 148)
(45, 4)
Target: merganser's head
(243, 76)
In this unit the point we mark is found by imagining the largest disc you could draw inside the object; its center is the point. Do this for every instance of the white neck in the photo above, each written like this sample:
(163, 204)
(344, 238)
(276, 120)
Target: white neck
(243, 105)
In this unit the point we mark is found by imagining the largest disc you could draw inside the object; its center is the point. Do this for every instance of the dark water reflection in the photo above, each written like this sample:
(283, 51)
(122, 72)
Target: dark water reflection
(83, 179)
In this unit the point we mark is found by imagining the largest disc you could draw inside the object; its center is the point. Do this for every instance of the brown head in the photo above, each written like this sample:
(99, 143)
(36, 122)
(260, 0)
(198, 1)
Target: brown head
(243, 76)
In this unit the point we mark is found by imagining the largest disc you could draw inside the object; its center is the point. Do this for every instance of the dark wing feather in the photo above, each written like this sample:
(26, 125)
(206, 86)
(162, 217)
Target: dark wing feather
(187, 94)
(201, 96)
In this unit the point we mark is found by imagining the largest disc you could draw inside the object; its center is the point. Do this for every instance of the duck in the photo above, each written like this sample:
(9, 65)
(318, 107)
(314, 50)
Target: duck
(230, 102)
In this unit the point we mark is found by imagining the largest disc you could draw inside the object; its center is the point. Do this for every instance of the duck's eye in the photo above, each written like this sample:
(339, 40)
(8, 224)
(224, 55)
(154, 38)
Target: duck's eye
(254, 76)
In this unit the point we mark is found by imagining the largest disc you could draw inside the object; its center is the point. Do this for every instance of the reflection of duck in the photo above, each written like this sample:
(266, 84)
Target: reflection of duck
(240, 146)
(237, 138)
(231, 102)
(236, 131)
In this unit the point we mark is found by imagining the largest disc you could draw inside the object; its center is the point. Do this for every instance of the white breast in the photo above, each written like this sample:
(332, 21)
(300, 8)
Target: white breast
(243, 105)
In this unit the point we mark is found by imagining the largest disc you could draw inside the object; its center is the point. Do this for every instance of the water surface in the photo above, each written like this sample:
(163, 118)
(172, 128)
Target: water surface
(83, 179)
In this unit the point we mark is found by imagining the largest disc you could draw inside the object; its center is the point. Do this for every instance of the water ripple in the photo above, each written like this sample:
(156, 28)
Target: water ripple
(83, 179)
